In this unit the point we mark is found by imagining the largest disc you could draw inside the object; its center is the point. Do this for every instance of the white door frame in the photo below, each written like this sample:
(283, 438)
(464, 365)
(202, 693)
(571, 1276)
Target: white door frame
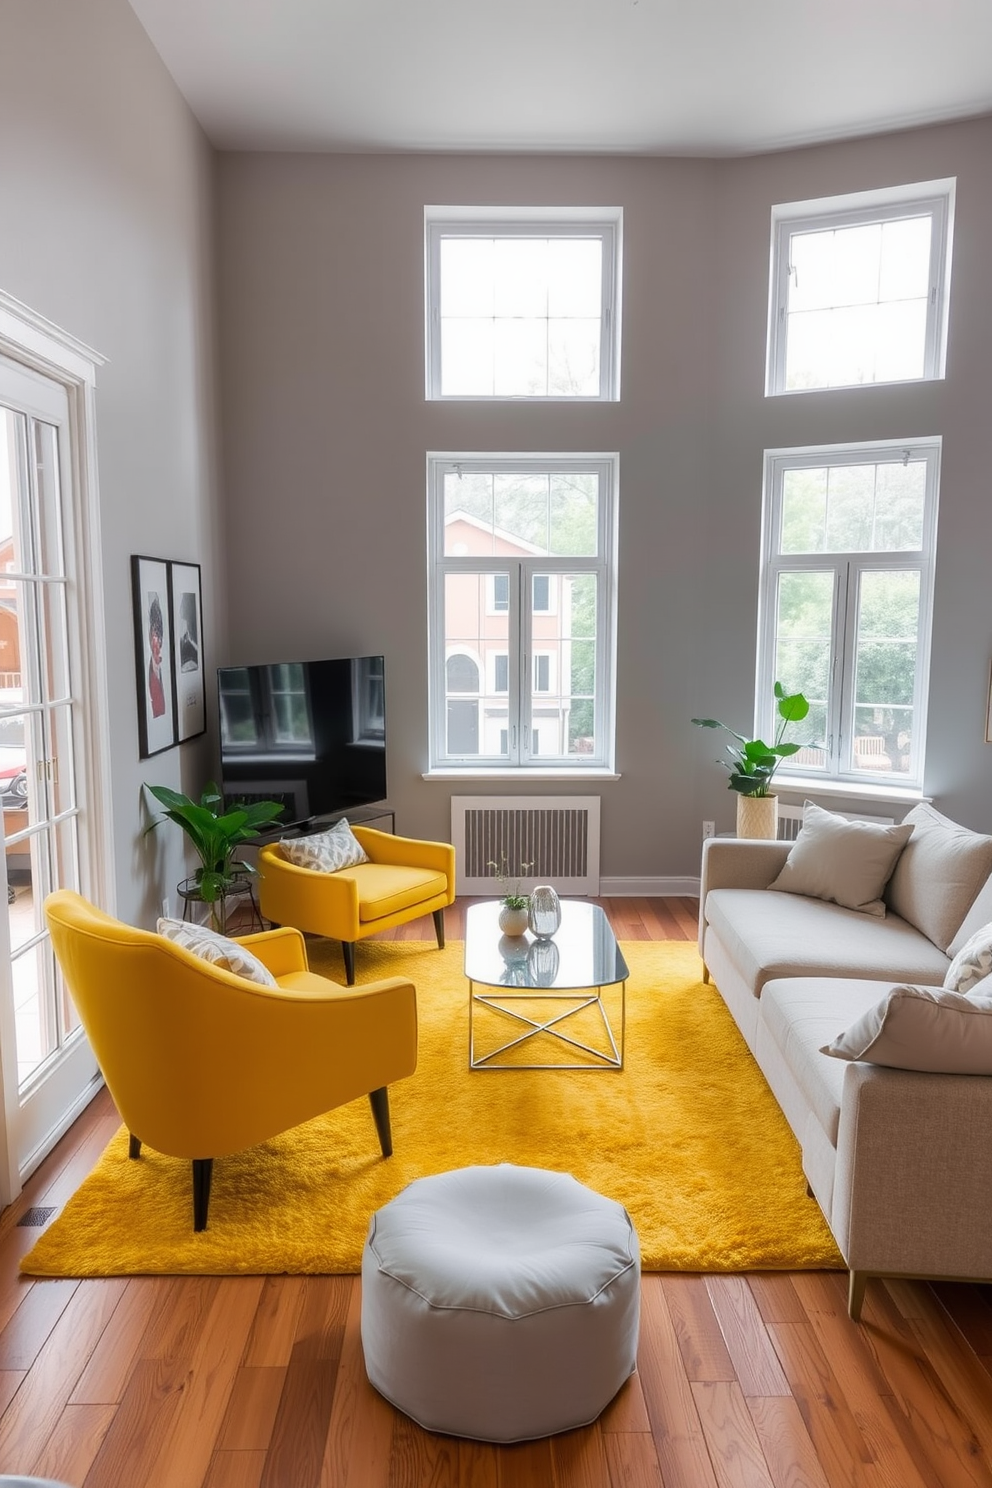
(39, 346)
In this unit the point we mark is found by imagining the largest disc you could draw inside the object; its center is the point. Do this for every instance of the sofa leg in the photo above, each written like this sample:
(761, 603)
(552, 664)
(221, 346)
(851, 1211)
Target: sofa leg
(379, 1101)
(133, 1145)
(203, 1171)
(706, 973)
(439, 928)
(856, 1283)
(348, 947)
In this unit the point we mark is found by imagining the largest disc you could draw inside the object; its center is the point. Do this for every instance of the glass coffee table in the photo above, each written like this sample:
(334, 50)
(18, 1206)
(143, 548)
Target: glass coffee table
(544, 997)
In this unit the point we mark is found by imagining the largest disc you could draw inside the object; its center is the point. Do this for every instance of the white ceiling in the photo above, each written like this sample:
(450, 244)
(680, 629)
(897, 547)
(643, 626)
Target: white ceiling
(682, 77)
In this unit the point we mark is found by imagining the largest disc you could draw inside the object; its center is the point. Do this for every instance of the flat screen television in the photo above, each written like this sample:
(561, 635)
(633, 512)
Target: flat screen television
(310, 734)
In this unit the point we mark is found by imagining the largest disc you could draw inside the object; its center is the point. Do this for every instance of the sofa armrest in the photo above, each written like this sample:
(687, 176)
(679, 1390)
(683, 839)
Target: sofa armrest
(280, 951)
(407, 852)
(913, 1179)
(737, 863)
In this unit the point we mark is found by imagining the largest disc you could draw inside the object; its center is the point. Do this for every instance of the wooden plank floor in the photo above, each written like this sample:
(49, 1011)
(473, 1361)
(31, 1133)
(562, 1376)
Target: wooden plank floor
(756, 1381)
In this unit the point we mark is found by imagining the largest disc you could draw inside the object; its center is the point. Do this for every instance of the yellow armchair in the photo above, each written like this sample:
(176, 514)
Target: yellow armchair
(403, 879)
(202, 1063)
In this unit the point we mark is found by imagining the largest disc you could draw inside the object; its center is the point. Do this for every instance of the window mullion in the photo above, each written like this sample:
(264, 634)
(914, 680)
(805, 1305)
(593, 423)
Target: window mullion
(520, 607)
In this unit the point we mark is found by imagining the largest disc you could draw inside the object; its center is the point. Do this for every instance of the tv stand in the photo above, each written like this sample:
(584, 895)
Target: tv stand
(357, 815)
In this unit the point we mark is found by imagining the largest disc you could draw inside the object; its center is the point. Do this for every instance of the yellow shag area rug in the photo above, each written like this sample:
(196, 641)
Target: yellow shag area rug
(687, 1136)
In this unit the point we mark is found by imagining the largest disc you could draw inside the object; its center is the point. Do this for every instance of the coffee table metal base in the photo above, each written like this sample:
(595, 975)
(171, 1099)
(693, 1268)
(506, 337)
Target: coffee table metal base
(608, 1057)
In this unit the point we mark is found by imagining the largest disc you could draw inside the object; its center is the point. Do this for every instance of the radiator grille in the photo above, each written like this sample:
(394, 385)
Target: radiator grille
(549, 840)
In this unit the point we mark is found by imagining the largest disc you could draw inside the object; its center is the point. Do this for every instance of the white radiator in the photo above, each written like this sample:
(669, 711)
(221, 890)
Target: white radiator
(558, 836)
(790, 819)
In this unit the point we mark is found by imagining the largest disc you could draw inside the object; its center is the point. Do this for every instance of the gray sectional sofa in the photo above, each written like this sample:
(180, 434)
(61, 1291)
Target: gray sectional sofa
(899, 1160)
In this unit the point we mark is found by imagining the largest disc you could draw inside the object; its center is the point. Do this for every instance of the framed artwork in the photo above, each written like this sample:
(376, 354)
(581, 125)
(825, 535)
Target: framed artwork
(988, 712)
(150, 594)
(187, 649)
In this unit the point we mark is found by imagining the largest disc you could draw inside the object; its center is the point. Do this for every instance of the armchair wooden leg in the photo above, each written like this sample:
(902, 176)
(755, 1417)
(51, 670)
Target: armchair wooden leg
(348, 947)
(133, 1145)
(379, 1101)
(706, 972)
(203, 1171)
(439, 928)
(857, 1281)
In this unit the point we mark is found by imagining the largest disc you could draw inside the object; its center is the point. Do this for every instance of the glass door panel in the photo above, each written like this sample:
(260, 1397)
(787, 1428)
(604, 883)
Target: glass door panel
(37, 757)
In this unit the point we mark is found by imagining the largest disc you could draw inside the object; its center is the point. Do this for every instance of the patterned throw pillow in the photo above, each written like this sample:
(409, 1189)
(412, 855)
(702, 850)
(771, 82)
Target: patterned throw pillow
(218, 950)
(326, 852)
(973, 962)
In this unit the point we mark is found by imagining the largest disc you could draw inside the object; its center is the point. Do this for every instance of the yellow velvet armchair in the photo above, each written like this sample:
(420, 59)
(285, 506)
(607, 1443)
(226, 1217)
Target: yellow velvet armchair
(202, 1063)
(403, 879)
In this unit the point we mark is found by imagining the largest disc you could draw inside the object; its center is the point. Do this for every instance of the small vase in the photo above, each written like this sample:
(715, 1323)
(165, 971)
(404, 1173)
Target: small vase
(543, 960)
(545, 911)
(757, 816)
(512, 921)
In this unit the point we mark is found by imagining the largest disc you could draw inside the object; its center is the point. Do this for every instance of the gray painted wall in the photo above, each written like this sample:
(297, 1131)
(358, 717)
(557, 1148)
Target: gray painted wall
(326, 428)
(106, 229)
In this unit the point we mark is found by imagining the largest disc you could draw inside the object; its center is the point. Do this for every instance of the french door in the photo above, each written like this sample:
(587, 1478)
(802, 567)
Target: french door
(46, 1066)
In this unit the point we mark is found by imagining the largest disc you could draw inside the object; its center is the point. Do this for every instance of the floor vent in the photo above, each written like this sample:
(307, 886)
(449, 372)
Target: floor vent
(33, 1219)
(558, 836)
(790, 819)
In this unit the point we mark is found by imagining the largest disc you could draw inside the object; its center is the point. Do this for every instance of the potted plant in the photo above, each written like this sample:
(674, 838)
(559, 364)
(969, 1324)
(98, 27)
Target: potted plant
(216, 835)
(752, 765)
(515, 906)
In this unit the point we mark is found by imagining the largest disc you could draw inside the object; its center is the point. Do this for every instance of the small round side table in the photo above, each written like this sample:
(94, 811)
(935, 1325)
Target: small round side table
(189, 893)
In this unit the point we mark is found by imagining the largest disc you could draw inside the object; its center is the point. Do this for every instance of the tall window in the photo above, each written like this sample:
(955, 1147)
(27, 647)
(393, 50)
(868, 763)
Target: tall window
(846, 598)
(859, 288)
(523, 601)
(522, 304)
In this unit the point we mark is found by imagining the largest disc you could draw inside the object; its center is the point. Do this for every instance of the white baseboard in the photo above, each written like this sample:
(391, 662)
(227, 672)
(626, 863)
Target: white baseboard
(649, 888)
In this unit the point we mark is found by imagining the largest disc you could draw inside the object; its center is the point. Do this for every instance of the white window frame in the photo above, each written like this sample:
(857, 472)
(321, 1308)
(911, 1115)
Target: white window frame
(520, 627)
(932, 198)
(604, 223)
(847, 569)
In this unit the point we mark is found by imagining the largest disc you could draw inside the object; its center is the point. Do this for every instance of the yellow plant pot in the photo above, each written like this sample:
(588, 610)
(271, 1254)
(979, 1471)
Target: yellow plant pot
(757, 816)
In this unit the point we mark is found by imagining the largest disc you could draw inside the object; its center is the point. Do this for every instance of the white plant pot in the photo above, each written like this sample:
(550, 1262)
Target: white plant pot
(513, 921)
(757, 816)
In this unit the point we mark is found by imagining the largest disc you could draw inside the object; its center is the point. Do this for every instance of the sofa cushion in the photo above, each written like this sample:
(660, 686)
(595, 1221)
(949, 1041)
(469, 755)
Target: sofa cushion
(768, 934)
(846, 862)
(799, 1015)
(938, 875)
(385, 888)
(921, 1028)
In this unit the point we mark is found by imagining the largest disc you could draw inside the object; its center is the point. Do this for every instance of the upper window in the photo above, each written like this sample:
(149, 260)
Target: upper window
(539, 530)
(846, 598)
(523, 303)
(859, 288)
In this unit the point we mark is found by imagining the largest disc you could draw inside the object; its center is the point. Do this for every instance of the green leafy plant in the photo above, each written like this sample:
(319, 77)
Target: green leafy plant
(752, 762)
(510, 885)
(216, 835)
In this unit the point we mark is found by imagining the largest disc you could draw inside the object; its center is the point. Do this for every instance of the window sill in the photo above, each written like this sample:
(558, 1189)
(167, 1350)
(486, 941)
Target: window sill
(497, 772)
(809, 785)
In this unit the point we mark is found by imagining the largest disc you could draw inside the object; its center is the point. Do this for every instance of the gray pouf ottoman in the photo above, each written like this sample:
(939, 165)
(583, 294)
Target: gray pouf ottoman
(500, 1303)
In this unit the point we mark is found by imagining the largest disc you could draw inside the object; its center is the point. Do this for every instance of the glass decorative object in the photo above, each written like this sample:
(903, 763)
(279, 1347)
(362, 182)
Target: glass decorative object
(545, 911)
(543, 962)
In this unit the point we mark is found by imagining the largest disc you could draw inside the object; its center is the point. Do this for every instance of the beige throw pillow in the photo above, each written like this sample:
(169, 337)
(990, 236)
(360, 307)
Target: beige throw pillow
(922, 1028)
(939, 874)
(217, 949)
(326, 852)
(845, 862)
(972, 964)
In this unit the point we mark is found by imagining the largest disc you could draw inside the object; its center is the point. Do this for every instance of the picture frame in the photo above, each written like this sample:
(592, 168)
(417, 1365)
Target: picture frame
(988, 711)
(186, 603)
(152, 608)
